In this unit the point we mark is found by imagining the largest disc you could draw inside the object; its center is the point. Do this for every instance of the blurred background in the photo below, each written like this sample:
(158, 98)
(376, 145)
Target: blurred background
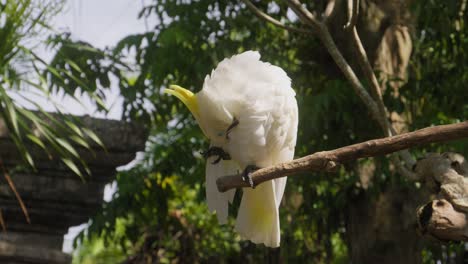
(112, 58)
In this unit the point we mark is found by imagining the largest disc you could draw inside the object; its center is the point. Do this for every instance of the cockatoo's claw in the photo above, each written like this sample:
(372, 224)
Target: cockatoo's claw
(216, 151)
(234, 123)
(246, 174)
(217, 160)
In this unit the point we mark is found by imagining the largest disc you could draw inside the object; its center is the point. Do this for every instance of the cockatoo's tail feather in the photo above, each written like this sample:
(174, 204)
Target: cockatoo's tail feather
(258, 217)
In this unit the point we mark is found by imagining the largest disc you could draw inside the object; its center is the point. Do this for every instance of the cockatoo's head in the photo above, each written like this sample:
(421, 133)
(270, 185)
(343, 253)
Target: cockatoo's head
(238, 85)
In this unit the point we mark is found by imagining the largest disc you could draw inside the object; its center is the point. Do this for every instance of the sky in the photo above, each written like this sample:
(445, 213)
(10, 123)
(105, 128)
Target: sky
(101, 23)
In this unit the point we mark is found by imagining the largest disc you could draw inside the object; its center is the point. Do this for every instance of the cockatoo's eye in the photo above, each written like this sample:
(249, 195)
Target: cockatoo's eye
(220, 133)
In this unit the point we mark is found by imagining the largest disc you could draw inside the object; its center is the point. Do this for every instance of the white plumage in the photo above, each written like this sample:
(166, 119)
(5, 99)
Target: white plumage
(260, 97)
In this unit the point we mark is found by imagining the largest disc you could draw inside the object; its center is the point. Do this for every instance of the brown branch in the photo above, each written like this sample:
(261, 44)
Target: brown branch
(368, 72)
(461, 12)
(324, 34)
(440, 220)
(304, 15)
(375, 89)
(353, 11)
(364, 64)
(330, 160)
(329, 10)
(375, 105)
(262, 15)
(444, 175)
(2, 221)
(352, 78)
(13, 188)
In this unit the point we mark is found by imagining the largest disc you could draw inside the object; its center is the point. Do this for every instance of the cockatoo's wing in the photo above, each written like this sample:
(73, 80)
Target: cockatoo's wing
(283, 135)
(258, 218)
(216, 200)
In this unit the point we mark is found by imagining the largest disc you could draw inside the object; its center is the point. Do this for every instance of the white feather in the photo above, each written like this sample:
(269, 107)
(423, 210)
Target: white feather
(217, 201)
(260, 97)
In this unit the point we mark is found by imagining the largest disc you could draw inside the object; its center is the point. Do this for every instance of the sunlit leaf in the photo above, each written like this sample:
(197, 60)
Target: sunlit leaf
(70, 164)
(94, 137)
(80, 141)
(67, 146)
(36, 140)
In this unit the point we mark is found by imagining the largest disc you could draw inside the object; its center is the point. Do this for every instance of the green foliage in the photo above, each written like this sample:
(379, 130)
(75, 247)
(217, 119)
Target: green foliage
(438, 67)
(95, 252)
(23, 73)
(162, 217)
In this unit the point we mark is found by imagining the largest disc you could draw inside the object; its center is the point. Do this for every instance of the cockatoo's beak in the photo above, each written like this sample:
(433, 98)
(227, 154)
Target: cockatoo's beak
(188, 98)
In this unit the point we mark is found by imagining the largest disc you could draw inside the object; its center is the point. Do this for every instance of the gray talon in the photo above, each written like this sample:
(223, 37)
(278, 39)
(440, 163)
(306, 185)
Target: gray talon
(234, 123)
(216, 151)
(246, 174)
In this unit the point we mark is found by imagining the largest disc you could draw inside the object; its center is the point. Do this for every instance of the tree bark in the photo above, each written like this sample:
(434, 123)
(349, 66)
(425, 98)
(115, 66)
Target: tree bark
(329, 161)
(381, 229)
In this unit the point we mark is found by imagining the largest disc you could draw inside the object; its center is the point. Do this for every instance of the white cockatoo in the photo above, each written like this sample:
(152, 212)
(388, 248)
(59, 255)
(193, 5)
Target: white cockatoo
(248, 111)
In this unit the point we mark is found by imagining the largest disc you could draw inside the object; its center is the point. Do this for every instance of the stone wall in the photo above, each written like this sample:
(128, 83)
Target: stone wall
(57, 199)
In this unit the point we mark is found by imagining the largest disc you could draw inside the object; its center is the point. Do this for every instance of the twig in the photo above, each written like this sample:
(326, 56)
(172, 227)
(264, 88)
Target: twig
(459, 22)
(375, 105)
(375, 89)
(330, 160)
(13, 188)
(353, 11)
(329, 10)
(2, 221)
(309, 19)
(304, 15)
(364, 64)
(262, 15)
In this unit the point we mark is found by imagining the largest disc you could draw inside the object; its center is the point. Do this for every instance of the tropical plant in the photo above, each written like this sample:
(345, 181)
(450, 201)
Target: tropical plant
(77, 69)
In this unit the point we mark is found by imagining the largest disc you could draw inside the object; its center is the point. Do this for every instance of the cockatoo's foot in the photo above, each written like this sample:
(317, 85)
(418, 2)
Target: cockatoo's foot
(216, 151)
(246, 174)
(234, 123)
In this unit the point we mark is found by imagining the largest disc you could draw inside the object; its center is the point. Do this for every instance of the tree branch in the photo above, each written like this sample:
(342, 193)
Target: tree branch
(364, 64)
(444, 175)
(375, 105)
(329, 10)
(322, 31)
(329, 161)
(262, 15)
(375, 89)
(353, 11)
(304, 15)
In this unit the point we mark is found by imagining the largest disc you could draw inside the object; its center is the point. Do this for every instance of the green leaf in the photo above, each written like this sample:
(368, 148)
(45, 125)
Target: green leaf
(13, 117)
(70, 164)
(67, 146)
(29, 159)
(94, 137)
(80, 141)
(74, 127)
(36, 140)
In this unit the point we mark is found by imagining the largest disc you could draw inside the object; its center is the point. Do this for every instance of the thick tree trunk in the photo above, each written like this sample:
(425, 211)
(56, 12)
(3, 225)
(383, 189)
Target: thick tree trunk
(383, 229)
